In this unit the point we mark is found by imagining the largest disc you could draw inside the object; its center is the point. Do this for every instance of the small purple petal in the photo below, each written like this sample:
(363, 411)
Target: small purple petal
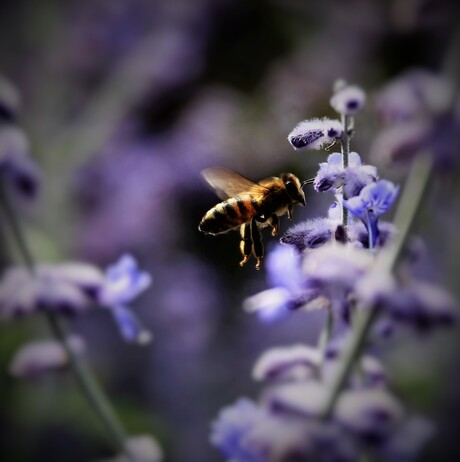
(130, 326)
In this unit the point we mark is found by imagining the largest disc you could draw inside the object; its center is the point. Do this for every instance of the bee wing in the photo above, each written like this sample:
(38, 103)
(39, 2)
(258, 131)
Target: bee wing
(228, 183)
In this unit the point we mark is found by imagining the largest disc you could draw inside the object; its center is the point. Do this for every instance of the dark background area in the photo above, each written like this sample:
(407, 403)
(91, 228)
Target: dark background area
(124, 103)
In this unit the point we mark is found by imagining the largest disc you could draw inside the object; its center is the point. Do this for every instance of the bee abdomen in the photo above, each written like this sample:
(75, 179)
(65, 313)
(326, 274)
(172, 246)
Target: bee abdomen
(227, 215)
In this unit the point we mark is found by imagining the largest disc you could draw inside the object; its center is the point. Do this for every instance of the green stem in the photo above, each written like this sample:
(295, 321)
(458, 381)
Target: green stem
(10, 217)
(326, 333)
(345, 150)
(386, 261)
(90, 388)
(92, 391)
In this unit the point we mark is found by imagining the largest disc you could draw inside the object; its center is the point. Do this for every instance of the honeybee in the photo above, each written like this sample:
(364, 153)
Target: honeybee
(250, 206)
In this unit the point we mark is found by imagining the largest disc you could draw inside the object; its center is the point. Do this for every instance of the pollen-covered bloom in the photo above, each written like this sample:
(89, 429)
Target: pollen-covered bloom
(288, 290)
(348, 100)
(374, 200)
(36, 358)
(332, 175)
(123, 282)
(315, 133)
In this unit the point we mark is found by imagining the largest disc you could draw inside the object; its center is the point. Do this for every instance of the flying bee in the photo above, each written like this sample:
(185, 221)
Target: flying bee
(250, 206)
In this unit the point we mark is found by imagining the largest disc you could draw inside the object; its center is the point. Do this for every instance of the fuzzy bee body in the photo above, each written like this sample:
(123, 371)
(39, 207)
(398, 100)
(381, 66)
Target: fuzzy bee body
(249, 206)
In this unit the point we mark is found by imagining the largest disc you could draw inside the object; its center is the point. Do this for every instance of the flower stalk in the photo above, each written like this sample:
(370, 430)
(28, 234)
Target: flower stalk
(347, 123)
(93, 393)
(406, 213)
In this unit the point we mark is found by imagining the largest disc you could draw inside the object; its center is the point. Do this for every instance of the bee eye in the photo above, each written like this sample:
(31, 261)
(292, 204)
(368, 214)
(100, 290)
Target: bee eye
(292, 189)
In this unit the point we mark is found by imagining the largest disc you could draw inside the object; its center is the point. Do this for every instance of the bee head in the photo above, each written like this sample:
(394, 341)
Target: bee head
(293, 188)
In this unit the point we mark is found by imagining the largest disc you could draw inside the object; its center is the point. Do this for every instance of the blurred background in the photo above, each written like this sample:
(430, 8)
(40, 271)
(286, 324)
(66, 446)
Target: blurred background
(124, 103)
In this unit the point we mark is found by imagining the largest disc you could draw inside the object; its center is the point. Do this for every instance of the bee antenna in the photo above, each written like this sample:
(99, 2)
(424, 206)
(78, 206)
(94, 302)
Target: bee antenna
(310, 181)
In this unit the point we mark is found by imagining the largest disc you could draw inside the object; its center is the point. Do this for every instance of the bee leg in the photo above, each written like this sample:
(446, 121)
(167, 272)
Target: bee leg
(257, 245)
(289, 212)
(245, 243)
(275, 224)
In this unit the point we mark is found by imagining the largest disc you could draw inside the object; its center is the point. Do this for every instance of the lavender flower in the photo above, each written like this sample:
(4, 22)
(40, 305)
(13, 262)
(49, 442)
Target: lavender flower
(371, 414)
(420, 114)
(230, 432)
(16, 166)
(408, 439)
(123, 283)
(374, 200)
(348, 100)
(288, 291)
(67, 288)
(294, 363)
(415, 94)
(371, 371)
(36, 358)
(315, 133)
(246, 432)
(9, 101)
(336, 266)
(71, 288)
(332, 175)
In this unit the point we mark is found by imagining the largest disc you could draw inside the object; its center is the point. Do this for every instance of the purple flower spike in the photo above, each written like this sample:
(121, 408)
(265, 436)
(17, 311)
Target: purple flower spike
(123, 283)
(315, 133)
(348, 100)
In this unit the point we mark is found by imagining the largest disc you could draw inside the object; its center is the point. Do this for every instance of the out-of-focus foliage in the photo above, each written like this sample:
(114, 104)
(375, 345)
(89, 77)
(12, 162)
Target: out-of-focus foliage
(124, 103)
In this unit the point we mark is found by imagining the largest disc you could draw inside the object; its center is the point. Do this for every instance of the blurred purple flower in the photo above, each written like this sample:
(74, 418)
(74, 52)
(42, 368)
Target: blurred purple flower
(415, 94)
(68, 288)
(246, 432)
(231, 430)
(332, 175)
(348, 100)
(371, 414)
(292, 363)
(289, 291)
(36, 358)
(371, 371)
(315, 133)
(420, 112)
(409, 438)
(123, 283)
(9, 101)
(16, 166)
(336, 266)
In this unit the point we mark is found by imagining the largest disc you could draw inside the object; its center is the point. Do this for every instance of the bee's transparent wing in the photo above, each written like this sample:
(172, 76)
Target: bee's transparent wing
(228, 183)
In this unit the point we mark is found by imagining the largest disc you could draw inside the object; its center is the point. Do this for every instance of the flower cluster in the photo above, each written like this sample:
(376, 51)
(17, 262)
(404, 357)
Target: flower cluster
(72, 288)
(332, 263)
(285, 424)
(420, 111)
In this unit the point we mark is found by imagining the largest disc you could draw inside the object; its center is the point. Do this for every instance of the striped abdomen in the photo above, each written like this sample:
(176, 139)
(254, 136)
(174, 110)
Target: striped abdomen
(228, 214)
